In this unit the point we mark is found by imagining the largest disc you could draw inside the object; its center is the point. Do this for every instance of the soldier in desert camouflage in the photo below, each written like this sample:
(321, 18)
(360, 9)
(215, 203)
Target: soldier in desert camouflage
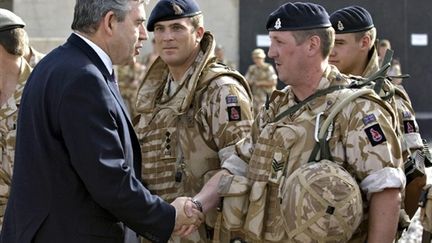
(362, 140)
(192, 111)
(14, 71)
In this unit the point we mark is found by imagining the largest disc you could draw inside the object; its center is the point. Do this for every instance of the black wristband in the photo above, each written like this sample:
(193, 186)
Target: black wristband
(197, 204)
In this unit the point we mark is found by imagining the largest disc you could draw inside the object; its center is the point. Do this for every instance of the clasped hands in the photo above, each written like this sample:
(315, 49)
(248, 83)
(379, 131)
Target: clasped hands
(188, 216)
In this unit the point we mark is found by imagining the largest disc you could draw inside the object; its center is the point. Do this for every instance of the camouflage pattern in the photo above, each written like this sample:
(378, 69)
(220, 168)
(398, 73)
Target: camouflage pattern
(182, 127)
(321, 202)
(128, 77)
(35, 57)
(283, 146)
(262, 80)
(8, 121)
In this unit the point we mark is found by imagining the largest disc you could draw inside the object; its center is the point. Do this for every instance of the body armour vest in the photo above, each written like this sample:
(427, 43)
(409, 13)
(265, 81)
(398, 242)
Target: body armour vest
(177, 156)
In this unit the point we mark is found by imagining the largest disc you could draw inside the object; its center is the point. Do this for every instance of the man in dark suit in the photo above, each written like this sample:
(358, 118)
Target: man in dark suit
(77, 168)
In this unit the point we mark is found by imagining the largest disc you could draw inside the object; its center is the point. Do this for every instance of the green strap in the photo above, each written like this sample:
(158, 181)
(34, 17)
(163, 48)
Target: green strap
(296, 107)
(386, 63)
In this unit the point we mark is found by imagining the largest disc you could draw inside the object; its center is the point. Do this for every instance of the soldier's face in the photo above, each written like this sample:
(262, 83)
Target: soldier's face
(289, 57)
(177, 42)
(346, 54)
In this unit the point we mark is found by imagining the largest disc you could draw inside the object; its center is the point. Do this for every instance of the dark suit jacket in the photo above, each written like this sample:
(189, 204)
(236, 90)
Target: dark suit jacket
(77, 164)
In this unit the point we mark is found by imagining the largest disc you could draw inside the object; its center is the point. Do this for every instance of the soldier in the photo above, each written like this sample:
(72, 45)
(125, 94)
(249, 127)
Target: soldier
(395, 68)
(14, 71)
(362, 140)
(220, 55)
(129, 77)
(355, 53)
(192, 111)
(262, 79)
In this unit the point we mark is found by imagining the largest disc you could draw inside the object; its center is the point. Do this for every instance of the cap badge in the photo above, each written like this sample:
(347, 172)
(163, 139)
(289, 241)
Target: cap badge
(278, 24)
(177, 9)
(340, 26)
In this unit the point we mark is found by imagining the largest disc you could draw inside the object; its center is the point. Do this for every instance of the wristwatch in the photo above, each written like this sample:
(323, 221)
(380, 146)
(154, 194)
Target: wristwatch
(197, 204)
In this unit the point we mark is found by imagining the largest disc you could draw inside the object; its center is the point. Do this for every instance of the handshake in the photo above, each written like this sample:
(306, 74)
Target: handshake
(188, 216)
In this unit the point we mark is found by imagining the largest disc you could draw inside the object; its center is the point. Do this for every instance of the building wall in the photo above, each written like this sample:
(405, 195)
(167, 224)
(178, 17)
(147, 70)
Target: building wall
(48, 22)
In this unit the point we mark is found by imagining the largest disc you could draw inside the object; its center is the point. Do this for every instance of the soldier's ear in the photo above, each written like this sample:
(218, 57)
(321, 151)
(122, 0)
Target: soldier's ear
(365, 42)
(314, 45)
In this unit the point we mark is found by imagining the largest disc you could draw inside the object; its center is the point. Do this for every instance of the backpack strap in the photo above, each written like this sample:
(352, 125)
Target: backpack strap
(322, 145)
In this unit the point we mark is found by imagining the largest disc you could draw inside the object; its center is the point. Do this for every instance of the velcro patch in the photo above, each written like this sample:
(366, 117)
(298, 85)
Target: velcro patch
(375, 134)
(231, 99)
(406, 114)
(234, 113)
(409, 126)
(369, 119)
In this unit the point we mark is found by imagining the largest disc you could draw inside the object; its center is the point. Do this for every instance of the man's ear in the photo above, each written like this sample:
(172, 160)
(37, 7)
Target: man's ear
(365, 42)
(199, 33)
(109, 22)
(314, 45)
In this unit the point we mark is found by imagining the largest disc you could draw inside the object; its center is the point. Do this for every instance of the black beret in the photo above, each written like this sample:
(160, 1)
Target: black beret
(172, 9)
(9, 20)
(351, 19)
(298, 16)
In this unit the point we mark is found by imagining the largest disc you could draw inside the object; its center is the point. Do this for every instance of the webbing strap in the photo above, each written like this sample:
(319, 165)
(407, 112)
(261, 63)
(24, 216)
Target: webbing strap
(386, 62)
(322, 145)
(296, 107)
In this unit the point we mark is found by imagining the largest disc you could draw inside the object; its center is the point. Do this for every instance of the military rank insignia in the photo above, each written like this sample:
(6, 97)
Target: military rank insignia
(375, 134)
(234, 113)
(409, 126)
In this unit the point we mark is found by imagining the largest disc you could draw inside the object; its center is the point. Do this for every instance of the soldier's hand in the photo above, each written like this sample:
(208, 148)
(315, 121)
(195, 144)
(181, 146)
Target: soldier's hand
(188, 217)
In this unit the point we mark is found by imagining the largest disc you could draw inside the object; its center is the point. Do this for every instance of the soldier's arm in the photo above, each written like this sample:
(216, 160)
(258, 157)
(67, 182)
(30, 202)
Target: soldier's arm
(384, 215)
(230, 115)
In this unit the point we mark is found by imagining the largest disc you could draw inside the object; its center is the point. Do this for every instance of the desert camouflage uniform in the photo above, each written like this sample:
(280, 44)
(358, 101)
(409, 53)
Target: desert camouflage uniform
(35, 57)
(362, 140)
(262, 81)
(187, 129)
(8, 121)
(128, 80)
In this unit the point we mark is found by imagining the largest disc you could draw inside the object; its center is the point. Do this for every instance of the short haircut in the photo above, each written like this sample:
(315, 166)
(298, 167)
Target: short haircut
(385, 43)
(326, 35)
(197, 21)
(89, 13)
(371, 33)
(14, 41)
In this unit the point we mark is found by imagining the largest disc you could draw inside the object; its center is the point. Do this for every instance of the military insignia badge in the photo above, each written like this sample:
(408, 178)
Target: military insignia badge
(278, 24)
(234, 113)
(406, 114)
(340, 26)
(409, 126)
(375, 135)
(177, 9)
(369, 119)
(231, 99)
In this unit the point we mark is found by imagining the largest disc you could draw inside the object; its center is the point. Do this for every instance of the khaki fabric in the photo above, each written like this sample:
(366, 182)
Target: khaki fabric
(128, 77)
(262, 80)
(8, 121)
(426, 209)
(284, 146)
(182, 128)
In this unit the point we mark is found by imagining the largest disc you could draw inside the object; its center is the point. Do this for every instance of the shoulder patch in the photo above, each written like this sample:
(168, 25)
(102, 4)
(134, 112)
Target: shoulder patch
(409, 126)
(369, 119)
(234, 113)
(375, 134)
(406, 114)
(231, 99)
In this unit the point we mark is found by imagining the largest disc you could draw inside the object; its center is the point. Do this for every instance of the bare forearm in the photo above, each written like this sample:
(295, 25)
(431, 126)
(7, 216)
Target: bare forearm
(384, 215)
(208, 196)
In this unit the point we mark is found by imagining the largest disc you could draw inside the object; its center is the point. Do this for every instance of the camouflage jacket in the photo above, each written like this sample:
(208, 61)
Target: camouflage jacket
(363, 141)
(187, 131)
(8, 121)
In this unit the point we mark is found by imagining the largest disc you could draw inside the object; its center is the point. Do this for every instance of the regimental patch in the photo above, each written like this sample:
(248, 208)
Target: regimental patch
(406, 114)
(231, 99)
(369, 119)
(375, 134)
(409, 126)
(234, 113)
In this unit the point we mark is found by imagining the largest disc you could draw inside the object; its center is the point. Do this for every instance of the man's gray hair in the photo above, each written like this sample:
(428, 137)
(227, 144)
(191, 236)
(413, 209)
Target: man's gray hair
(89, 13)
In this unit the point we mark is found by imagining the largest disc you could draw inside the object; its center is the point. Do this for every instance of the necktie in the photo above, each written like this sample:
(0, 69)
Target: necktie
(113, 79)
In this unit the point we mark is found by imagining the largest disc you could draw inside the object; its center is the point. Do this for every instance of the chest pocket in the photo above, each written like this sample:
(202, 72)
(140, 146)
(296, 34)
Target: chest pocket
(161, 170)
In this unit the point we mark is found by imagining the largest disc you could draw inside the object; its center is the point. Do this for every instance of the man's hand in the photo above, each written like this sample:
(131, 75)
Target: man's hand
(188, 216)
